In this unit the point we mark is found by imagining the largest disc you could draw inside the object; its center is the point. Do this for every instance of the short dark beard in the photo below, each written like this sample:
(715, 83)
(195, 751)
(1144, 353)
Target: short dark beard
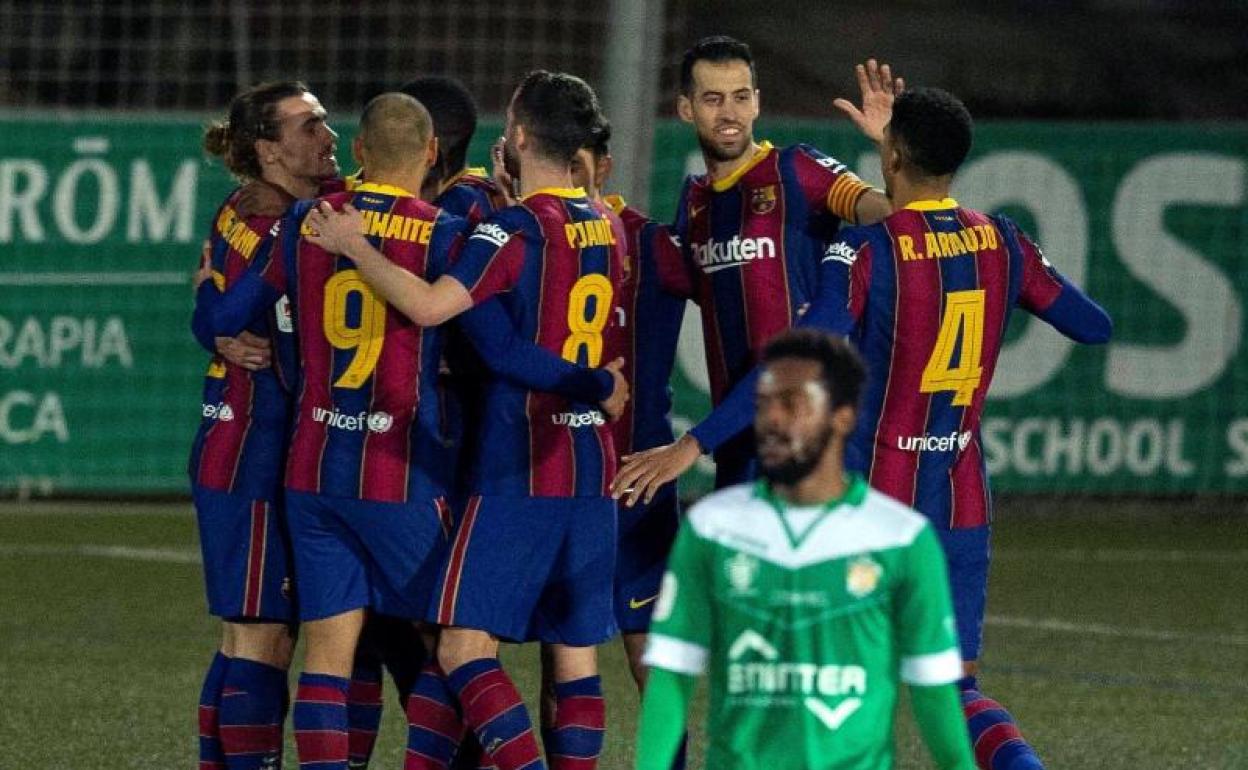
(511, 161)
(797, 468)
(714, 153)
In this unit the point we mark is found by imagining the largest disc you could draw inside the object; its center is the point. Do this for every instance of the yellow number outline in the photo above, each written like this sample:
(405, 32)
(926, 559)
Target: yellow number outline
(367, 338)
(587, 332)
(963, 321)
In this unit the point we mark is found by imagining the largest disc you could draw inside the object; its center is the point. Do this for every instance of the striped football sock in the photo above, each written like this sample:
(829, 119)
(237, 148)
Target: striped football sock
(253, 700)
(996, 739)
(363, 711)
(492, 707)
(211, 757)
(321, 722)
(434, 727)
(574, 742)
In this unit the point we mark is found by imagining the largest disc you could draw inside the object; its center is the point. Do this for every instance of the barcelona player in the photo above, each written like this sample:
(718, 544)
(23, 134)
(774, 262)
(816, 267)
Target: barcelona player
(468, 193)
(275, 132)
(367, 515)
(927, 298)
(650, 307)
(754, 227)
(553, 261)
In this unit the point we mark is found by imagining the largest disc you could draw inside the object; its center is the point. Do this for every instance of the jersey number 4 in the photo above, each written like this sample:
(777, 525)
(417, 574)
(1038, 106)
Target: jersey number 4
(366, 337)
(585, 325)
(961, 333)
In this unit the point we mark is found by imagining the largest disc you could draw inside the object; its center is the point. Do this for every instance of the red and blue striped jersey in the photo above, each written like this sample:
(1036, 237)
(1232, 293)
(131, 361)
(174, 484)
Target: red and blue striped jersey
(926, 295)
(366, 415)
(471, 194)
(650, 306)
(930, 291)
(754, 241)
(554, 260)
(240, 445)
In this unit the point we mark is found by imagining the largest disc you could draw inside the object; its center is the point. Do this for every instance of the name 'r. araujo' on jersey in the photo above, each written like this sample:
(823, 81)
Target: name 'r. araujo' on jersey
(804, 619)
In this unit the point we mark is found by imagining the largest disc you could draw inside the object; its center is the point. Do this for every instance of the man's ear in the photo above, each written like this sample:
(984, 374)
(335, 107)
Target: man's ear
(521, 137)
(357, 151)
(266, 151)
(603, 171)
(431, 153)
(844, 417)
(684, 108)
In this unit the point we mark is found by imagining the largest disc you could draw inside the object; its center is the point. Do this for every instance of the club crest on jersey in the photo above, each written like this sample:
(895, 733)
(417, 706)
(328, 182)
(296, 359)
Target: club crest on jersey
(862, 575)
(741, 570)
(763, 199)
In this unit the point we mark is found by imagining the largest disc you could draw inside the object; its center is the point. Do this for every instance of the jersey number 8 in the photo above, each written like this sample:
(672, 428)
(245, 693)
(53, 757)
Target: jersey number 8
(366, 338)
(961, 331)
(586, 332)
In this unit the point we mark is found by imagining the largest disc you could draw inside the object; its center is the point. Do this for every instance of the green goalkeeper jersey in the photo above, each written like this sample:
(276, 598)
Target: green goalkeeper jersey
(804, 619)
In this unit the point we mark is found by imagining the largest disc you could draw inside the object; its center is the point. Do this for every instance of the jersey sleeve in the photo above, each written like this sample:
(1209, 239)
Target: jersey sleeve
(828, 183)
(664, 247)
(491, 260)
(680, 630)
(830, 311)
(923, 615)
(1046, 294)
(227, 313)
(507, 354)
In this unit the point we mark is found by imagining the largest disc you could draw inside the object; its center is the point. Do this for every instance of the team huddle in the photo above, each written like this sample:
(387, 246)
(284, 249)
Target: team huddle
(437, 419)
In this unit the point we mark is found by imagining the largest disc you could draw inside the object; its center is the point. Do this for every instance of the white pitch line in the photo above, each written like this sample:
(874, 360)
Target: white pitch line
(1123, 555)
(165, 555)
(156, 278)
(1101, 629)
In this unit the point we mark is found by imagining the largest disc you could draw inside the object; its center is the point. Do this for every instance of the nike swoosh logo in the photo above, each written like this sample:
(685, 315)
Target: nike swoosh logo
(633, 604)
(695, 210)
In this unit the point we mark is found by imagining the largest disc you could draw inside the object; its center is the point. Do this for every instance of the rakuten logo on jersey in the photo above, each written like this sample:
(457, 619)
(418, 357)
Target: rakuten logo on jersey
(927, 443)
(579, 419)
(376, 422)
(715, 255)
(222, 412)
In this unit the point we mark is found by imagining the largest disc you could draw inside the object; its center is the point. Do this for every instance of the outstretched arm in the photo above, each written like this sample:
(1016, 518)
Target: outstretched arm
(507, 354)
(643, 473)
(341, 232)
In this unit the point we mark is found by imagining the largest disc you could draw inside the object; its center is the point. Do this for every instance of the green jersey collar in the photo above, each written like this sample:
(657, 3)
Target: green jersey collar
(855, 493)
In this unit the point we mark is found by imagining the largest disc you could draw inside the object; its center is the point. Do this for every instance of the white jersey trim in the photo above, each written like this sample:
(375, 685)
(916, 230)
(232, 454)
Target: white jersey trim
(736, 518)
(672, 654)
(936, 668)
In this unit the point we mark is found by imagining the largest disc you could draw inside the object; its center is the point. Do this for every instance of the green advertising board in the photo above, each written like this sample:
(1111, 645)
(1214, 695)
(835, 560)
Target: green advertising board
(101, 217)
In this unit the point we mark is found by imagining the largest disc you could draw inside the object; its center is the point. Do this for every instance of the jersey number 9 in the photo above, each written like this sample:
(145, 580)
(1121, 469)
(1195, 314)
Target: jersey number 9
(961, 331)
(366, 338)
(586, 332)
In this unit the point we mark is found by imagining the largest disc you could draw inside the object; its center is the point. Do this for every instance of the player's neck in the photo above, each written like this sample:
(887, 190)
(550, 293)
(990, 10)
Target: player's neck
(300, 187)
(826, 482)
(906, 191)
(538, 174)
(410, 179)
(722, 169)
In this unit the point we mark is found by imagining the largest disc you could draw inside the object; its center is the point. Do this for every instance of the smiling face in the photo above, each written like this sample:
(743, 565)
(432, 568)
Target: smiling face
(305, 146)
(722, 107)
